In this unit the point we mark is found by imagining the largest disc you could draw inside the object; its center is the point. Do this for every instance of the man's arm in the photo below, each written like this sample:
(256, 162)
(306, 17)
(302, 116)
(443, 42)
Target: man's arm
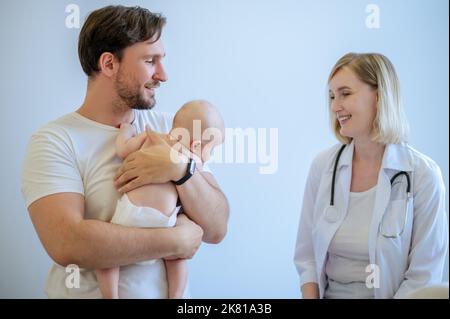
(205, 204)
(70, 239)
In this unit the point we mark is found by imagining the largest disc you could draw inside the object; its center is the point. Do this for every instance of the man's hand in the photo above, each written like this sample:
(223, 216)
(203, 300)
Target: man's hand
(158, 163)
(189, 238)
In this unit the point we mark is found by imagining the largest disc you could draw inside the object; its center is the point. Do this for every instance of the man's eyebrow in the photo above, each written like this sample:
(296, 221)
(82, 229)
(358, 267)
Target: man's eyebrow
(147, 56)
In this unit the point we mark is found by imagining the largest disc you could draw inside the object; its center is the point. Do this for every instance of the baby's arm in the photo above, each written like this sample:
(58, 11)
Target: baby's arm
(127, 141)
(176, 277)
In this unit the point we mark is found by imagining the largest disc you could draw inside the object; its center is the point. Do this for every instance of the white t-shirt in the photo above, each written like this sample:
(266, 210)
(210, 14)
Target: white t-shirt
(75, 154)
(348, 253)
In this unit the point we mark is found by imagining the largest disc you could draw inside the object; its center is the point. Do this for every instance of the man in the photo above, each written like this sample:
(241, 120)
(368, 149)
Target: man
(71, 173)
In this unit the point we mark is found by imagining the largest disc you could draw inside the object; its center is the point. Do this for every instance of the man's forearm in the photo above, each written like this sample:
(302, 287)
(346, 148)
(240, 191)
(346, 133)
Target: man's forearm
(68, 238)
(96, 244)
(206, 205)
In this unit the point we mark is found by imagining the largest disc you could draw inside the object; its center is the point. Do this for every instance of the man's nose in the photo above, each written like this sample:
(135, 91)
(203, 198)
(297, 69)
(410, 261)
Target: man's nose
(160, 73)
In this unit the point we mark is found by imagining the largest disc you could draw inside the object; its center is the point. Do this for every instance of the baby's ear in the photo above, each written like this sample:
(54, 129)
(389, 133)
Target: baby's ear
(196, 146)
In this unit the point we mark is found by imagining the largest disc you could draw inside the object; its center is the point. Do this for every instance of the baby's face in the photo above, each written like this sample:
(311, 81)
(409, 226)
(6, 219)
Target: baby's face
(199, 126)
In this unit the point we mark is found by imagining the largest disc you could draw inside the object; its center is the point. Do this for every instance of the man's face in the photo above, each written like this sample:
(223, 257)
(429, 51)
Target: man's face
(140, 72)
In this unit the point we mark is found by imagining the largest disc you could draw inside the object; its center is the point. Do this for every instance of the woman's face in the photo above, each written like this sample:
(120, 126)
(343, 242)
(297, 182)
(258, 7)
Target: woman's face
(354, 104)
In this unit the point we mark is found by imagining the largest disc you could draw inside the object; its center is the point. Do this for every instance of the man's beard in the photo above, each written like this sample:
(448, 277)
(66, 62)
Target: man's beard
(132, 96)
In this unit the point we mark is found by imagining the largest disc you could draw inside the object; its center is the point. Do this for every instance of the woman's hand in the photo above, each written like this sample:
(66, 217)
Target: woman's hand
(310, 290)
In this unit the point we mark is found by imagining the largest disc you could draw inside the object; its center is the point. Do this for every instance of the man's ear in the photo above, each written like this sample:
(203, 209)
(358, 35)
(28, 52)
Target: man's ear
(108, 64)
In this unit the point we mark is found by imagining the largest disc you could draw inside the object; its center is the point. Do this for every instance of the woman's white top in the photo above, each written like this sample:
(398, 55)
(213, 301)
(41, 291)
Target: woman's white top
(348, 254)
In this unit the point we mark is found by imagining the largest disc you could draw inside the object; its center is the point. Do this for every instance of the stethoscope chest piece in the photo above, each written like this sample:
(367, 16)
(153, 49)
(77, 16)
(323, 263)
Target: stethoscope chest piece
(331, 214)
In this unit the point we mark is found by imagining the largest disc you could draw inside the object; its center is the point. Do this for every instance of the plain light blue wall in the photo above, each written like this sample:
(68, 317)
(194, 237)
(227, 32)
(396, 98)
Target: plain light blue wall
(264, 64)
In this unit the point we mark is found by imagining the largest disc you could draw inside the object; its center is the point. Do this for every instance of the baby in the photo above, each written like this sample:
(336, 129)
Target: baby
(155, 205)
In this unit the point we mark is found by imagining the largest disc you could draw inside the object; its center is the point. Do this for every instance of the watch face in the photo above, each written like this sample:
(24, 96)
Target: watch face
(192, 167)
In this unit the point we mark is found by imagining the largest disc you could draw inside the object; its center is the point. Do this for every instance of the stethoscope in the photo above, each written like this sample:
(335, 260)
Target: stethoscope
(332, 214)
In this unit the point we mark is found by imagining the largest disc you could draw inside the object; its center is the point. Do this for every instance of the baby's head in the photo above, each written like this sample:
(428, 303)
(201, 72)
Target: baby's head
(199, 126)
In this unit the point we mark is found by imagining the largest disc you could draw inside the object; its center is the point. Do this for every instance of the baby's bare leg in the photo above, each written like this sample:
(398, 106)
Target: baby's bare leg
(176, 277)
(108, 282)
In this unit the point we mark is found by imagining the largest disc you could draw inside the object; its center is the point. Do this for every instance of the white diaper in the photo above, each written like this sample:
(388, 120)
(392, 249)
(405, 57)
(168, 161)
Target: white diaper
(128, 214)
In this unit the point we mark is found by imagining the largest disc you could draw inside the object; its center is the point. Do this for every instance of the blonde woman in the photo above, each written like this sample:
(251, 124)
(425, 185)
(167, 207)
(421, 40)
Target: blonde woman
(373, 221)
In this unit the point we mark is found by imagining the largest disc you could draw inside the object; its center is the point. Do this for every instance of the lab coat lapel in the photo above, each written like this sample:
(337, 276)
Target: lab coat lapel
(395, 159)
(344, 178)
(381, 201)
(341, 197)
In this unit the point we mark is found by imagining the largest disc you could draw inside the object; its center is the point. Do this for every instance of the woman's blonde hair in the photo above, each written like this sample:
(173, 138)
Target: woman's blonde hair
(390, 124)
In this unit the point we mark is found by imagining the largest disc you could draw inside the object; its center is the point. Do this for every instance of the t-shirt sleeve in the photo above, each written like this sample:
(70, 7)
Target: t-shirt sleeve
(166, 120)
(49, 168)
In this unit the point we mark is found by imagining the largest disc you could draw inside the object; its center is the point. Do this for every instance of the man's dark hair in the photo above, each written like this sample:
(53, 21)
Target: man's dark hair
(114, 28)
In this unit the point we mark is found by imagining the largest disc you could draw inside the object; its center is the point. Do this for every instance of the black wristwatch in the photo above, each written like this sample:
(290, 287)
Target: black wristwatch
(189, 172)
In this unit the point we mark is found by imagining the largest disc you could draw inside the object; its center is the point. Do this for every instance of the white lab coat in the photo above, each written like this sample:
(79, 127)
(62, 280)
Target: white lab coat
(414, 259)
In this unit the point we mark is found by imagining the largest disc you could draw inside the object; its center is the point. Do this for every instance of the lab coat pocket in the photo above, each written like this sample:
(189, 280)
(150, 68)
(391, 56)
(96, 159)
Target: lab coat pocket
(395, 219)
